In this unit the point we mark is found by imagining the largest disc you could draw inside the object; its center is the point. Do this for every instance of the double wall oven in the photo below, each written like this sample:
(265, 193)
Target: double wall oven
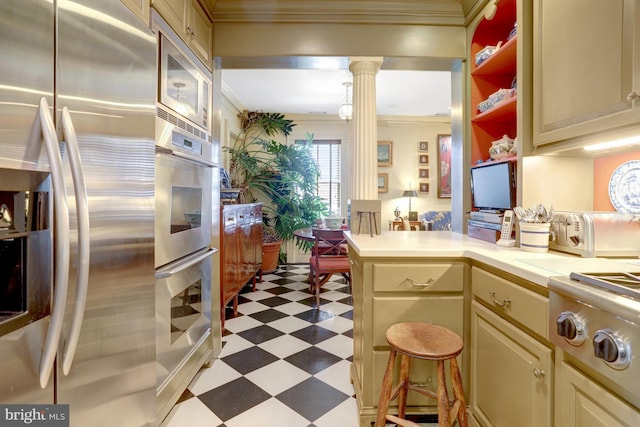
(183, 219)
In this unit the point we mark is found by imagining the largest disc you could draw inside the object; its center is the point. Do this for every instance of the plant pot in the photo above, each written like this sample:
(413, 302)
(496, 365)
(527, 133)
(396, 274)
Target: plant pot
(270, 256)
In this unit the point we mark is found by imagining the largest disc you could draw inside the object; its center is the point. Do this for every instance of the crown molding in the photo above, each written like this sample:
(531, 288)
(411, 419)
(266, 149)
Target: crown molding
(411, 12)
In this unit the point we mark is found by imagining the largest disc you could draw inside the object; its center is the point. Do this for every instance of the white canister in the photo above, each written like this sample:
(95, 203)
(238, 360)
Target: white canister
(534, 236)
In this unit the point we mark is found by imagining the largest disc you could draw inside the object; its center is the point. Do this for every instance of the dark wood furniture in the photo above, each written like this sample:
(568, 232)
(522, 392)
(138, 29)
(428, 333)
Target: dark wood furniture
(329, 257)
(241, 251)
(425, 341)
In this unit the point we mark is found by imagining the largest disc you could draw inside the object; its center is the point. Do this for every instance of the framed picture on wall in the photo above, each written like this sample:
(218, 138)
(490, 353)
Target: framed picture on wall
(423, 145)
(424, 173)
(385, 153)
(424, 159)
(424, 187)
(444, 166)
(383, 182)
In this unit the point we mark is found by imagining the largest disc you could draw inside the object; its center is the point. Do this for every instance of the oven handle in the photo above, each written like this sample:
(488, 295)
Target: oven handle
(61, 256)
(82, 208)
(162, 150)
(177, 267)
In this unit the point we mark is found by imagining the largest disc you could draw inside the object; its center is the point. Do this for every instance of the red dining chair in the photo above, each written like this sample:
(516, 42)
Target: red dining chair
(328, 258)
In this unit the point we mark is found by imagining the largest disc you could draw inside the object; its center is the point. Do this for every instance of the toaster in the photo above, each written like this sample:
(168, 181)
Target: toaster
(596, 234)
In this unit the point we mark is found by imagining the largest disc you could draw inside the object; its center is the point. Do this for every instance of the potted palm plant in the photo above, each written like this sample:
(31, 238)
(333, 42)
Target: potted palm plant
(283, 177)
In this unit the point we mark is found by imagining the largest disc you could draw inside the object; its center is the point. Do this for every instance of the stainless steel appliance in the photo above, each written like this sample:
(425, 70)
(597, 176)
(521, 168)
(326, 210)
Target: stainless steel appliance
(183, 324)
(183, 193)
(184, 87)
(596, 234)
(80, 202)
(184, 196)
(594, 318)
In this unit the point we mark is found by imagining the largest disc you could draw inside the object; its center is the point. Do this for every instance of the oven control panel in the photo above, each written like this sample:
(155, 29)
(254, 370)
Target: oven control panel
(586, 329)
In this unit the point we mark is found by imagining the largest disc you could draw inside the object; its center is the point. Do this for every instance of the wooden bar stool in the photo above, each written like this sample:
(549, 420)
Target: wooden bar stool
(428, 342)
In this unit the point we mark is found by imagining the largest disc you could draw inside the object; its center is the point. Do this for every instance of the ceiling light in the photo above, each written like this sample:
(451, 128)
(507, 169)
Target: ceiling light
(345, 112)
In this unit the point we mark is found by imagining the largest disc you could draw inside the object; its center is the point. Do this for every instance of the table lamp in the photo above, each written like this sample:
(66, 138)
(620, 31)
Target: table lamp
(413, 216)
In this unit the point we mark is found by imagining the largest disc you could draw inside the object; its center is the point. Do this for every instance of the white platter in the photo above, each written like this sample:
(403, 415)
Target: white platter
(624, 187)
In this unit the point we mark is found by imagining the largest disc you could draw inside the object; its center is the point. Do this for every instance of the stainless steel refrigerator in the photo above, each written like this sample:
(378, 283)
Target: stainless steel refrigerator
(77, 151)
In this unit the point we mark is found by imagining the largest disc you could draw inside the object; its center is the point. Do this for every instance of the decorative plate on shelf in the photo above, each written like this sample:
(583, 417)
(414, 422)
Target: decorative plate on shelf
(624, 187)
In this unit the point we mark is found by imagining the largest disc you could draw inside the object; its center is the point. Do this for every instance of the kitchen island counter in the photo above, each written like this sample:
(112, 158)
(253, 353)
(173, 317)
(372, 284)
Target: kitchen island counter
(533, 266)
(495, 298)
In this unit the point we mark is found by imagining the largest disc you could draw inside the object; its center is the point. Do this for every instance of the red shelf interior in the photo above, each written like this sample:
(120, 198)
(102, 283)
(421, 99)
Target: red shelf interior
(496, 72)
(504, 111)
(503, 61)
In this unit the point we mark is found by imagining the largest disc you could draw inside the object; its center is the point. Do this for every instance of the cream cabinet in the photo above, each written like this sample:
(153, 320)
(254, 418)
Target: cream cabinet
(511, 380)
(582, 402)
(586, 75)
(387, 291)
(192, 24)
(140, 8)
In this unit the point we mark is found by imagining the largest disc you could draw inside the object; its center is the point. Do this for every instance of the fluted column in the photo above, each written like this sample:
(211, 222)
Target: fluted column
(363, 160)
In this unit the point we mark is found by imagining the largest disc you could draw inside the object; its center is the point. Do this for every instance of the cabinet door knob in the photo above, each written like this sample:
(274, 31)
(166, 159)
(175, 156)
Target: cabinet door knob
(538, 373)
(633, 96)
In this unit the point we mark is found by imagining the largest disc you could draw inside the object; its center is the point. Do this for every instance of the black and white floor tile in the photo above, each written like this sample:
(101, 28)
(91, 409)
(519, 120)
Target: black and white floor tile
(283, 363)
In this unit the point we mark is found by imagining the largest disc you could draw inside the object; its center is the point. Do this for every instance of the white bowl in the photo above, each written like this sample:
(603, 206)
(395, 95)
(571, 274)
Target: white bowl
(333, 223)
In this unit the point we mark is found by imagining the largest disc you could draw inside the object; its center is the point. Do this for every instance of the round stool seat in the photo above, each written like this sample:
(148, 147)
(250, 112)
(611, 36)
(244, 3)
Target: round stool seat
(424, 340)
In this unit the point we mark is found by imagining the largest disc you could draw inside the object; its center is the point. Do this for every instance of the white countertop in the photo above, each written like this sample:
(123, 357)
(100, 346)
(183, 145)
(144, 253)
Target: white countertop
(532, 266)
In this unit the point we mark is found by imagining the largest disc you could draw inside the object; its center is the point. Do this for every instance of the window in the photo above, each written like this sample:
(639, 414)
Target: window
(327, 153)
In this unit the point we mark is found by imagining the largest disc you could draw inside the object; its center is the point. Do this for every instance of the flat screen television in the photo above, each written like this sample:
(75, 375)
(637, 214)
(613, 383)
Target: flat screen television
(493, 186)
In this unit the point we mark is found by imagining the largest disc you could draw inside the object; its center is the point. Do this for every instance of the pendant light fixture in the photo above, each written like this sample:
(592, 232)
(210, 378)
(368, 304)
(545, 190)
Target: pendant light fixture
(345, 112)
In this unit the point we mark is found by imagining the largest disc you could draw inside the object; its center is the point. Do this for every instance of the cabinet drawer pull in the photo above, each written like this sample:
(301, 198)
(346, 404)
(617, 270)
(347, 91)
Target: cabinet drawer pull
(430, 281)
(633, 96)
(504, 304)
(538, 373)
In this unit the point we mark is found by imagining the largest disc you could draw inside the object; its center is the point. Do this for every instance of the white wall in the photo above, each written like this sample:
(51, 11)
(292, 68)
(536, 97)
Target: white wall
(564, 182)
(404, 171)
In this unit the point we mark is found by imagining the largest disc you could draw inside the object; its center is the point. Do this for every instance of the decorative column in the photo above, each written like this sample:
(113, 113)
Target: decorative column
(363, 159)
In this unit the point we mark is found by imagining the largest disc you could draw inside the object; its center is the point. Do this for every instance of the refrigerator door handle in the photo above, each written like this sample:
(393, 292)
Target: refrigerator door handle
(61, 256)
(170, 270)
(82, 208)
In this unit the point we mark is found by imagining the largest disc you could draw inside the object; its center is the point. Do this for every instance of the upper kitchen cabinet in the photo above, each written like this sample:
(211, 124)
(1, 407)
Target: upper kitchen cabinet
(586, 56)
(191, 22)
(140, 8)
(493, 57)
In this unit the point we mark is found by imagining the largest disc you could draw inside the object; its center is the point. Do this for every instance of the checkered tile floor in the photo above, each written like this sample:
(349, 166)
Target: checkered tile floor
(283, 363)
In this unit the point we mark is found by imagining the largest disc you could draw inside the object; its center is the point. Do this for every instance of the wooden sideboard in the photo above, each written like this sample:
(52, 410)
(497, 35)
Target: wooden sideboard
(241, 251)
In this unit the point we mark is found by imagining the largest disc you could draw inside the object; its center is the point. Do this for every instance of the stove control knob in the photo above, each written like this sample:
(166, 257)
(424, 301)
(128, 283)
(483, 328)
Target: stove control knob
(570, 327)
(610, 348)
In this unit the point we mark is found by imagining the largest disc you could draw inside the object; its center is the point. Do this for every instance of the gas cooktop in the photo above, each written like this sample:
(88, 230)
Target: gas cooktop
(623, 283)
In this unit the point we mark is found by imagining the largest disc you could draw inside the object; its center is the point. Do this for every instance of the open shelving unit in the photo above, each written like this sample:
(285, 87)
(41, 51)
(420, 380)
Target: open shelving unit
(496, 72)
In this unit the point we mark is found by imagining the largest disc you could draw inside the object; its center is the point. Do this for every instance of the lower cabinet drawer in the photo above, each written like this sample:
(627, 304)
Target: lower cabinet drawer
(520, 304)
(432, 277)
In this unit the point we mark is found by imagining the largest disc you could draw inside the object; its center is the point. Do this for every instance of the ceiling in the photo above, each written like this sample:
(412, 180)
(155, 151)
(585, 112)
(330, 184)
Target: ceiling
(419, 87)
(321, 91)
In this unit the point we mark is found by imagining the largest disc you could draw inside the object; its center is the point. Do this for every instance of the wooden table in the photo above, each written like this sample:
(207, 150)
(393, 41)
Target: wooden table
(307, 233)
(393, 225)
